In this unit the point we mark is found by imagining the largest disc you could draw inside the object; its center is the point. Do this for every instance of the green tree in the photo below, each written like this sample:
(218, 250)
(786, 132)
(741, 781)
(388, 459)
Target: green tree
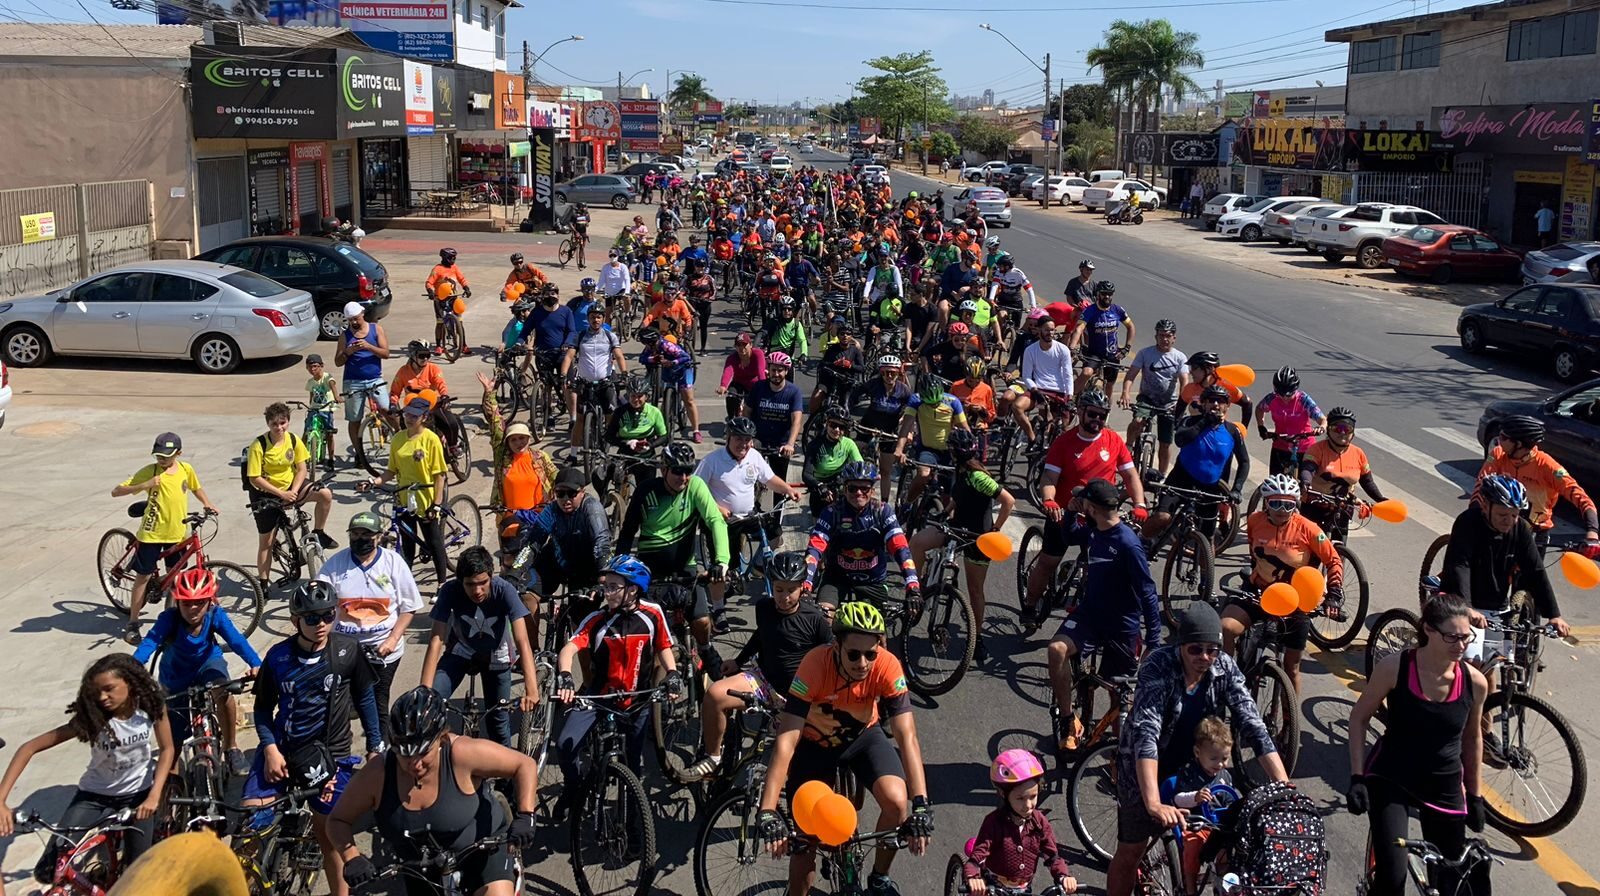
(689, 90)
(1084, 102)
(944, 146)
(982, 136)
(1140, 60)
(1090, 145)
(907, 89)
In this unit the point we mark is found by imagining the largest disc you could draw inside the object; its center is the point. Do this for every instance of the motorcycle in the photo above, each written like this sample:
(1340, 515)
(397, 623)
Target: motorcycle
(345, 232)
(1125, 213)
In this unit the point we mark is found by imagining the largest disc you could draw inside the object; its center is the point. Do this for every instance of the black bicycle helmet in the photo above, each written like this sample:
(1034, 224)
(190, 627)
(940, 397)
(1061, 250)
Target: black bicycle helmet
(447, 256)
(963, 444)
(789, 566)
(1204, 359)
(1094, 398)
(1522, 428)
(836, 413)
(1214, 393)
(312, 597)
(415, 721)
(516, 258)
(416, 348)
(1285, 381)
(1166, 325)
(1105, 288)
(1342, 414)
(678, 456)
(637, 385)
(742, 426)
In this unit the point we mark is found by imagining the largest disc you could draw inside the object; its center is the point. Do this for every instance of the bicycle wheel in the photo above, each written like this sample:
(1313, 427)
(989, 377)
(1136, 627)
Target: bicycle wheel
(1329, 633)
(1035, 472)
(593, 453)
(1187, 575)
(1028, 551)
(1432, 565)
(1160, 869)
(1279, 703)
(1543, 778)
(1394, 631)
(613, 835)
(1092, 801)
(372, 449)
(461, 461)
(464, 531)
(113, 558)
(955, 877)
(937, 649)
(675, 726)
(539, 409)
(283, 555)
(564, 253)
(317, 462)
(238, 594)
(454, 340)
(730, 858)
(533, 737)
(94, 862)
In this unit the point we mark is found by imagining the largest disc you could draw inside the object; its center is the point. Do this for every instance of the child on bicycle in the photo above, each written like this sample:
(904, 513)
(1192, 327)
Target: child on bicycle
(187, 636)
(1015, 837)
(119, 712)
(164, 483)
(1196, 787)
(322, 396)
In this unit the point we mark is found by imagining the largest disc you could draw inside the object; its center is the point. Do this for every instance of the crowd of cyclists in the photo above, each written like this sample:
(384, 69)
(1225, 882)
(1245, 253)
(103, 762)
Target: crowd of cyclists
(943, 388)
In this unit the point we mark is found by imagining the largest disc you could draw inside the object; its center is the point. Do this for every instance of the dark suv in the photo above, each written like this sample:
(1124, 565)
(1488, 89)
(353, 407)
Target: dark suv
(1015, 175)
(333, 272)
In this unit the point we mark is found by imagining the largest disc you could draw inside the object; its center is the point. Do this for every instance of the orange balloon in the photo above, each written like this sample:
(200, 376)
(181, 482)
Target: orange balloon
(1280, 599)
(1580, 570)
(444, 289)
(995, 545)
(514, 292)
(835, 818)
(804, 805)
(1239, 375)
(1392, 510)
(460, 307)
(1309, 584)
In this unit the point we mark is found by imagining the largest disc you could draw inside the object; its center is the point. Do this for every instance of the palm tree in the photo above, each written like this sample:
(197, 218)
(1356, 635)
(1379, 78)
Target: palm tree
(1167, 54)
(1139, 59)
(689, 90)
(1117, 60)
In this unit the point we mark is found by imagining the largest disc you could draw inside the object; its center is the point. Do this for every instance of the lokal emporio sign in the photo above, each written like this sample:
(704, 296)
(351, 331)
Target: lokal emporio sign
(1418, 151)
(542, 211)
(274, 92)
(1307, 143)
(372, 96)
(1535, 128)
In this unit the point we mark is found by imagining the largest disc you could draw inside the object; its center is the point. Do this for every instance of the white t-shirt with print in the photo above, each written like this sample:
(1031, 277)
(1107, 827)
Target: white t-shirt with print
(371, 598)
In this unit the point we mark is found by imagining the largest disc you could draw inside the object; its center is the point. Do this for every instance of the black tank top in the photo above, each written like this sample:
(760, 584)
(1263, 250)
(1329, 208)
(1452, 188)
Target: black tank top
(455, 821)
(1420, 752)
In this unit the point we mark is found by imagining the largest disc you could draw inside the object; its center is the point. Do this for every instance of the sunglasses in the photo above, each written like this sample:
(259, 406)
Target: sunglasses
(859, 488)
(566, 494)
(1342, 428)
(680, 471)
(1283, 506)
(835, 424)
(1202, 649)
(317, 618)
(613, 587)
(856, 656)
(1095, 415)
(1465, 638)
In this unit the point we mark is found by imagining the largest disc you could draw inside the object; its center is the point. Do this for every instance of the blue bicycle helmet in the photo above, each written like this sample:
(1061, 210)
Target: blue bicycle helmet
(859, 471)
(630, 568)
(1503, 491)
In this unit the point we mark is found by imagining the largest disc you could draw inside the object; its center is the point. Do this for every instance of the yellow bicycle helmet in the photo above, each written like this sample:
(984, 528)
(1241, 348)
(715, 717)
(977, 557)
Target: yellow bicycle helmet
(857, 617)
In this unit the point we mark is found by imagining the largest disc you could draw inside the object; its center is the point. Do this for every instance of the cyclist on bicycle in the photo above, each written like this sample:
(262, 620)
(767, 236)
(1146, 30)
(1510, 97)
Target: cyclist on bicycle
(1296, 420)
(934, 414)
(637, 427)
(769, 283)
(1281, 541)
(593, 358)
(785, 334)
(532, 279)
(841, 362)
(744, 367)
(615, 279)
(445, 282)
(1046, 368)
(431, 790)
(1095, 336)
(826, 456)
(852, 542)
(786, 629)
(304, 697)
(1516, 453)
(669, 306)
(803, 276)
(1016, 837)
(992, 254)
(831, 721)
(701, 289)
(1161, 371)
(1007, 286)
(361, 350)
(676, 365)
(1207, 446)
(976, 396)
(419, 376)
(887, 398)
(624, 644)
(580, 231)
(1202, 376)
(771, 413)
(571, 542)
(465, 640)
(275, 466)
(1332, 467)
(883, 276)
(186, 635)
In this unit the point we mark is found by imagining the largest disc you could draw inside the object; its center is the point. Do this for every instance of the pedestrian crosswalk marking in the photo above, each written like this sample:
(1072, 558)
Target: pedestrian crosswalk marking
(1456, 437)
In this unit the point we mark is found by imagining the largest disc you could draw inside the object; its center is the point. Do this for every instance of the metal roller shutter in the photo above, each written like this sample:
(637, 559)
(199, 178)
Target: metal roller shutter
(269, 199)
(308, 197)
(344, 203)
(428, 162)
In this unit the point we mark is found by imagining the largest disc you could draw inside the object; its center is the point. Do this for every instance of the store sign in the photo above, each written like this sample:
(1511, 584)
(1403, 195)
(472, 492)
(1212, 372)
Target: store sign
(1417, 151)
(445, 93)
(641, 125)
(419, 97)
(558, 116)
(372, 95)
(39, 227)
(1577, 192)
(542, 211)
(869, 126)
(1534, 128)
(1289, 143)
(272, 92)
(510, 102)
(1591, 147)
(600, 122)
(1173, 149)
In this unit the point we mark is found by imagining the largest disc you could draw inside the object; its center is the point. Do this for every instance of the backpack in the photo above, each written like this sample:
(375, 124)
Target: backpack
(244, 458)
(1279, 840)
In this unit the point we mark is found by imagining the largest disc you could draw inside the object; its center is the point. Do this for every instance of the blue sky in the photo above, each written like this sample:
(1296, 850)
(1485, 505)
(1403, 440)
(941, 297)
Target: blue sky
(775, 50)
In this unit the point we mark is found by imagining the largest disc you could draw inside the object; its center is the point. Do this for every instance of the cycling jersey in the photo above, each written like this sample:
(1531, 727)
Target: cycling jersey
(781, 641)
(984, 316)
(1277, 551)
(880, 279)
(1546, 482)
(1076, 460)
(801, 273)
(973, 495)
(1204, 449)
(769, 283)
(885, 405)
(185, 654)
(628, 424)
(790, 338)
(305, 696)
(1100, 327)
(442, 272)
(825, 458)
(853, 547)
(976, 400)
(701, 288)
(581, 540)
(934, 421)
(1292, 415)
(1484, 567)
(838, 710)
(1048, 370)
(664, 521)
(1010, 286)
(623, 645)
(674, 360)
(1336, 472)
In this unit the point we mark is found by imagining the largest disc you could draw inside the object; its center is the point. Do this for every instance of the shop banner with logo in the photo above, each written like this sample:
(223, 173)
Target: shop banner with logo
(558, 116)
(419, 97)
(273, 92)
(641, 125)
(707, 112)
(601, 122)
(1416, 151)
(1534, 128)
(372, 95)
(1173, 149)
(421, 29)
(1577, 192)
(542, 211)
(446, 94)
(869, 126)
(1591, 147)
(510, 102)
(1289, 143)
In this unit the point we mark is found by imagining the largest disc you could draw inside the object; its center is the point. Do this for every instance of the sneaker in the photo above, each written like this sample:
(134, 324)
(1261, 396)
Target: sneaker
(237, 764)
(698, 437)
(705, 768)
(719, 620)
(1494, 753)
(881, 885)
(131, 634)
(325, 540)
(1071, 734)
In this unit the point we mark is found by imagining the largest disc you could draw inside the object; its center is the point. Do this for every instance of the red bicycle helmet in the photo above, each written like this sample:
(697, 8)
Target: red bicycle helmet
(195, 584)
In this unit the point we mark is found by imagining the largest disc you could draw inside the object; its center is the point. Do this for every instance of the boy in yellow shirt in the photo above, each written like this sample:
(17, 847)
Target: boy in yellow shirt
(165, 481)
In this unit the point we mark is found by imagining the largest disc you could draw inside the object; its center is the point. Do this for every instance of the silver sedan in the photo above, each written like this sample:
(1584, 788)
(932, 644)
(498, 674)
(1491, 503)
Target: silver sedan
(215, 314)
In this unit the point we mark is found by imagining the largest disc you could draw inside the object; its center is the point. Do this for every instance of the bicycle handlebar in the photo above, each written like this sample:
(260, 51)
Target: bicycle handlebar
(1474, 850)
(294, 796)
(32, 820)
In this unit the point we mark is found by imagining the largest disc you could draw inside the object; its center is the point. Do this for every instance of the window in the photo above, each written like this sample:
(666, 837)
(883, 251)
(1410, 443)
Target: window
(238, 256)
(466, 12)
(1572, 34)
(1426, 235)
(1457, 243)
(1558, 303)
(483, 17)
(1484, 244)
(283, 262)
(254, 284)
(1373, 56)
(1403, 219)
(1421, 50)
(500, 36)
(172, 288)
(1428, 218)
(127, 287)
(1524, 300)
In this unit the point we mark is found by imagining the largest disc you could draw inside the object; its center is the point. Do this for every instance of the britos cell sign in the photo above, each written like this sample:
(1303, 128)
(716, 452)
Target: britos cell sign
(274, 92)
(372, 98)
(419, 97)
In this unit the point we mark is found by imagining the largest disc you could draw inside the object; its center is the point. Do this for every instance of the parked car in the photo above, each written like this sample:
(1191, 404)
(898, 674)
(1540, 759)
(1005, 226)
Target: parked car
(1109, 192)
(215, 314)
(1571, 428)
(1555, 323)
(875, 175)
(1245, 223)
(981, 172)
(780, 165)
(1030, 186)
(1279, 225)
(639, 169)
(5, 392)
(767, 152)
(1222, 203)
(1015, 175)
(993, 205)
(1554, 262)
(1443, 252)
(615, 190)
(1101, 174)
(334, 273)
(684, 162)
(1064, 190)
(738, 156)
(1361, 232)
(1306, 220)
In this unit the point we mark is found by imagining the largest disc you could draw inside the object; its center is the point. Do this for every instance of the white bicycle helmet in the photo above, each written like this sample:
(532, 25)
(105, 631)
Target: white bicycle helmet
(992, 243)
(1280, 485)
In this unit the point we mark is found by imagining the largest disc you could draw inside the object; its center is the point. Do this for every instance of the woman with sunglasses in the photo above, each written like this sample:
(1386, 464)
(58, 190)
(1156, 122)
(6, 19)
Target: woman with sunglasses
(1428, 762)
(826, 456)
(1333, 467)
(1281, 541)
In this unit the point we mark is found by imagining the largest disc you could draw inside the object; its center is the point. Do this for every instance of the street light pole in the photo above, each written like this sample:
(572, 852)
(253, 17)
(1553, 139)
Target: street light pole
(1044, 108)
(529, 62)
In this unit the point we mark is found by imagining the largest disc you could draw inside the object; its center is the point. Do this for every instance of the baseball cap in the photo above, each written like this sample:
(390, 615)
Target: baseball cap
(1086, 264)
(518, 429)
(314, 359)
(366, 521)
(167, 444)
(417, 406)
(743, 339)
(354, 310)
(1098, 491)
(570, 477)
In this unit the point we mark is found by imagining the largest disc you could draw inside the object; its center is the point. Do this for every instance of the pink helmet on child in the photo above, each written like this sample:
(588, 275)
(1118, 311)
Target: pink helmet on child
(1014, 767)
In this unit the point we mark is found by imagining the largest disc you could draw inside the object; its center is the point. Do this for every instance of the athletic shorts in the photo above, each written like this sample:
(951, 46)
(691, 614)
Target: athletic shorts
(1295, 626)
(267, 516)
(1134, 824)
(1094, 362)
(1164, 422)
(869, 757)
(756, 684)
(833, 593)
(932, 456)
(146, 555)
(256, 786)
(1118, 651)
(683, 379)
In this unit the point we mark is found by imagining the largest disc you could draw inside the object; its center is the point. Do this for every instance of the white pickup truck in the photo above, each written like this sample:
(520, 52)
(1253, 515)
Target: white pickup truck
(1362, 231)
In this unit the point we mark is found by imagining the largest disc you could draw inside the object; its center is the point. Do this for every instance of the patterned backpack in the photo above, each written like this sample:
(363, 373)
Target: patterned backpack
(1279, 841)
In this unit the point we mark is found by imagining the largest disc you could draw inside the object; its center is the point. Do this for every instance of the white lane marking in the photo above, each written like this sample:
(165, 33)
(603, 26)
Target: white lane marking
(1462, 481)
(1456, 437)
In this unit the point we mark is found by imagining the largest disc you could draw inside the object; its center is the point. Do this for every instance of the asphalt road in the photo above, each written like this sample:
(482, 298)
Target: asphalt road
(1392, 357)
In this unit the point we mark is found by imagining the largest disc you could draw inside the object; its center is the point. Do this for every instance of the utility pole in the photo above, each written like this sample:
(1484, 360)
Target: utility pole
(527, 68)
(1044, 107)
(926, 137)
(1061, 123)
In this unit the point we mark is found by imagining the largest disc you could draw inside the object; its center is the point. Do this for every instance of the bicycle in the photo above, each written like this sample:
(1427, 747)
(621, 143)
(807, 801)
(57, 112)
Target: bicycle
(1337, 627)
(202, 773)
(239, 594)
(544, 393)
(611, 822)
(1092, 373)
(955, 882)
(666, 396)
(318, 434)
(939, 647)
(295, 547)
(1064, 589)
(931, 503)
(631, 471)
(750, 735)
(90, 864)
(1424, 857)
(513, 386)
(1189, 570)
(1259, 653)
(533, 728)
(1050, 418)
(1536, 798)
(282, 856)
(452, 329)
(675, 725)
(373, 429)
(460, 521)
(440, 867)
(731, 857)
(592, 411)
(458, 456)
(1091, 786)
(1144, 447)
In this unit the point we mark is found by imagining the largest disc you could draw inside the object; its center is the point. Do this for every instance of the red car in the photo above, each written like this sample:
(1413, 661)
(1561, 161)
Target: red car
(766, 154)
(1443, 252)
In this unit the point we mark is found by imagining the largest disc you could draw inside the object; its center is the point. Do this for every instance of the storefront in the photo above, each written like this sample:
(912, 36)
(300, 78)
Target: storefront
(1290, 157)
(1532, 155)
(1189, 158)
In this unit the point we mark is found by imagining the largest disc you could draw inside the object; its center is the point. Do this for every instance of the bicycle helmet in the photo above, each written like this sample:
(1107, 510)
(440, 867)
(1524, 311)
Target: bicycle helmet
(649, 336)
(859, 471)
(788, 303)
(587, 284)
(636, 385)
(933, 387)
(857, 617)
(195, 584)
(1214, 393)
(312, 597)
(992, 243)
(1503, 491)
(1285, 381)
(1280, 485)
(889, 361)
(1522, 428)
(1166, 325)
(1342, 414)
(962, 443)
(447, 256)
(836, 413)
(631, 569)
(1004, 259)
(968, 306)
(521, 306)
(1014, 767)
(742, 426)
(516, 258)
(780, 239)
(1105, 288)
(416, 721)
(975, 369)
(1204, 359)
(416, 348)
(678, 456)
(1094, 398)
(1086, 263)
(789, 566)
(1038, 314)
(958, 329)
(778, 359)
